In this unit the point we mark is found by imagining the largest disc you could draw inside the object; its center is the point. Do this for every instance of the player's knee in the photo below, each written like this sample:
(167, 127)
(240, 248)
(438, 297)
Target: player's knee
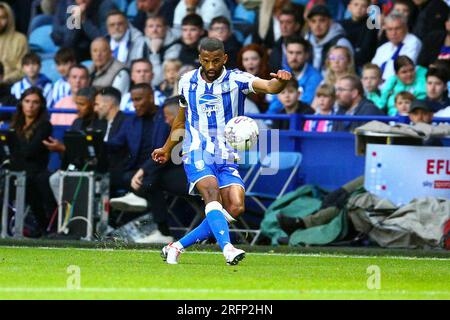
(236, 209)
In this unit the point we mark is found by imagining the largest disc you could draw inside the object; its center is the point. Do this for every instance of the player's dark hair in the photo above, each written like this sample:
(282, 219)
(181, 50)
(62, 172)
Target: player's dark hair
(31, 58)
(143, 86)
(211, 44)
(65, 55)
(192, 20)
(112, 93)
(222, 20)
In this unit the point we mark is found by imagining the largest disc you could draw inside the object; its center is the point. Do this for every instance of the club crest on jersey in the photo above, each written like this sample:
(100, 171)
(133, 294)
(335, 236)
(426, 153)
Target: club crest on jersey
(208, 103)
(225, 86)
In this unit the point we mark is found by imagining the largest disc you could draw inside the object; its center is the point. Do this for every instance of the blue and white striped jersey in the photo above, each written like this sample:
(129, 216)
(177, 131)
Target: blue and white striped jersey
(209, 106)
(43, 83)
(61, 89)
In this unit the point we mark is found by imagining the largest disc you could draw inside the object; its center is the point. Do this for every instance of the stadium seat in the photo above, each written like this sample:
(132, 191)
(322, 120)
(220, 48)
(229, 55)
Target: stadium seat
(87, 63)
(243, 15)
(41, 42)
(275, 174)
(39, 21)
(49, 69)
(122, 5)
(132, 10)
(248, 164)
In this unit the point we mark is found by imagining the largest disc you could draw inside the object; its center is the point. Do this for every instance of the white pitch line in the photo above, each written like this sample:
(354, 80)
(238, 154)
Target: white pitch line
(223, 291)
(306, 255)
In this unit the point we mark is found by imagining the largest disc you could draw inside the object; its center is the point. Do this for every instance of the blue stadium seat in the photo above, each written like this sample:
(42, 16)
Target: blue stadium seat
(41, 42)
(122, 5)
(132, 10)
(87, 63)
(50, 70)
(241, 14)
(39, 21)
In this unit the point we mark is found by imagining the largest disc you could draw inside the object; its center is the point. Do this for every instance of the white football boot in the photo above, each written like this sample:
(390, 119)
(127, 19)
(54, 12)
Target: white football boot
(171, 254)
(232, 254)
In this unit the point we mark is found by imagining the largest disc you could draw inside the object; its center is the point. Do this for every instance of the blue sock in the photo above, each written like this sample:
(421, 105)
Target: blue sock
(202, 232)
(219, 227)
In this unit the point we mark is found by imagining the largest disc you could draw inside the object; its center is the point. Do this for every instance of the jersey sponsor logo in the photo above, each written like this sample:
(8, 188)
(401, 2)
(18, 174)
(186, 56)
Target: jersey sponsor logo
(208, 103)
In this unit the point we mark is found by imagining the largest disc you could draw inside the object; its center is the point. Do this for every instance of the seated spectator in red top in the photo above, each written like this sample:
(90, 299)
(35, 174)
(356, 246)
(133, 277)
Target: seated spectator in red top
(78, 79)
(324, 105)
(78, 29)
(351, 101)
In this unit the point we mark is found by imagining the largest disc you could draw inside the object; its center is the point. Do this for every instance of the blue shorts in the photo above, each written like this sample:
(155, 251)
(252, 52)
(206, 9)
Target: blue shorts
(199, 165)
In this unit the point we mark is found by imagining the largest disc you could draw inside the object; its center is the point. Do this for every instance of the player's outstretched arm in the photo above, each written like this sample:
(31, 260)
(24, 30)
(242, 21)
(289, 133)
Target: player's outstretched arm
(162, 155)
(275, 85)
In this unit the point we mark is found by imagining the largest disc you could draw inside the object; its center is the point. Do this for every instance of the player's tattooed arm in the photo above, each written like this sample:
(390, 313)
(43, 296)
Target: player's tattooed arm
(275, 85)
(162, 155)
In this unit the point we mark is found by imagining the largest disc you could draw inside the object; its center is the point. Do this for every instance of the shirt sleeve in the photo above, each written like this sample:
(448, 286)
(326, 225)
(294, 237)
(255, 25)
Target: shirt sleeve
(182, 91)
(244, 80)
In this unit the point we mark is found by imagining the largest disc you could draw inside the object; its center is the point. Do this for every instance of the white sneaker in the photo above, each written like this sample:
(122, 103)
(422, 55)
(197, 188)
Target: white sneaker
(170, 254)
(233, 255)
(155, 237)
(130, 202)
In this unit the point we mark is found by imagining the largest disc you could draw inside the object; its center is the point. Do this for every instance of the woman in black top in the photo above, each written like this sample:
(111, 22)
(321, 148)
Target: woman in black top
(29, 154)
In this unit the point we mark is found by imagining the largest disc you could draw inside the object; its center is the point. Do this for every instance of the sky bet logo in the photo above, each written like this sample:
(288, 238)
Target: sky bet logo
(208, 103)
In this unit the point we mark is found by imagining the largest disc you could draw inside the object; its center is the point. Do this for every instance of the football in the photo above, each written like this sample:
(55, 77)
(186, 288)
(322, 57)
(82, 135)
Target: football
(241, 133)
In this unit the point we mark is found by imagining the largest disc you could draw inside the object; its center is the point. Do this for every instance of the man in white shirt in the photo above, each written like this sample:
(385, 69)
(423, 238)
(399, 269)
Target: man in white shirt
(401, 43)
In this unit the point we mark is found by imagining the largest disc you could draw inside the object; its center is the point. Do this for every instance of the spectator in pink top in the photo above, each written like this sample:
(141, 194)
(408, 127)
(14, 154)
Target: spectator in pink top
(78, 78)
(323, 104)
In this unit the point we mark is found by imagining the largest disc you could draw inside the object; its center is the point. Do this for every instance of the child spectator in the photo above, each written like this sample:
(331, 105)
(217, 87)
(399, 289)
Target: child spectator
(171, 71)
(420, 112)
(403, 102)
(291, 105)
(323, 104)
(371, 80)
(65, 58)
(362, 38)
(191, 33)
(31, 67)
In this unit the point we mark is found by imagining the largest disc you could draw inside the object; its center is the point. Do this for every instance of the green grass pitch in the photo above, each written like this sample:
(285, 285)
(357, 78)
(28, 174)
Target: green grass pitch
(44, 273)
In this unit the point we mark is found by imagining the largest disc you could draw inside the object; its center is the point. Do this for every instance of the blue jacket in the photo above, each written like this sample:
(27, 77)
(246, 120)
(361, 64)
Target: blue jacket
(130, 136)
(308, 82)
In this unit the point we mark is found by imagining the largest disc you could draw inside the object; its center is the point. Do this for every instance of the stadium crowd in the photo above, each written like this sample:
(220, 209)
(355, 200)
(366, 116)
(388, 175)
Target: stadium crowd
(113, 57)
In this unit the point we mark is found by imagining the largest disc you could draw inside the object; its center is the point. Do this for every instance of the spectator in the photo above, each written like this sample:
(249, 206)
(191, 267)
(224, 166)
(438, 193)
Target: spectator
(31, 67)
(124, 39)
(289, 99)
(141, 72)
(30, 155)
(154, 8)
(323, 105)
(407, 9)
(407, 77)
(150, 182)
(297, 53)
(268, 30)
(220, 28)
(437, 94)
(191, 34)
(65, 58)
(371, 80)
(160, 44)
(432, 16)
(420, 112)
(338, 64)
(324, 33)
(436, 45)
(351, 102)
(400, 43)
(78, 79)
(169, 87)
(207, 9)
(362, 38)
(289, 26)
(253, 59)
(403, 102)
(91, 17)
(106, 71)
(13, 45)
(85, 119)
(6, 98)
